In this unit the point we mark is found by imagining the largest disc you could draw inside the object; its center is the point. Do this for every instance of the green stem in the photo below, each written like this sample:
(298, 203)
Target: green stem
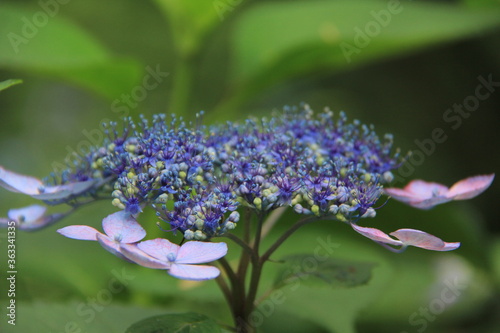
(238, 279)
(247, 250)
(182, 86)
(285, 236)
(225, 290)
(256, 271)
(271, 220)
(228, 270)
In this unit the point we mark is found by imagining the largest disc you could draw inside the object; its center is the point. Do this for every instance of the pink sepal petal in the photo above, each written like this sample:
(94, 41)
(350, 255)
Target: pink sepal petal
(109, 245)
(28, 214)
(82, 232)
(470, 187)
(399, 194)
(159, 248)
(136, 255)
(425, 195)
(63, 191)
(193, 272)
(4, 222)
(33, 217)
(34, 187)
(422, 189)
(195, 252)
(376, 235)
(123, 227)
(428, 203)
(15, 182)
(424, 240)
(420, 194)
(450, 246)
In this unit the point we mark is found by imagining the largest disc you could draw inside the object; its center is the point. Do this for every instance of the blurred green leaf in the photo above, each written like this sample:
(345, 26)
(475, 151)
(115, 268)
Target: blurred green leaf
(495, 260)
(35, 42)
(333, 308)
(277, 41)
(175, 323)
(99, 316)
(191, 21)
(110, 80)
(9, 83)
(328, 272)
(482, 3)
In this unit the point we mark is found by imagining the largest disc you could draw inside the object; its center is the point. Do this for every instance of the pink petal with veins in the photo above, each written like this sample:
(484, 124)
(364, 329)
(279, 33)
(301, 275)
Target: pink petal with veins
(193, 272)
(19, 183)
(31, 186)
(63, 191)
(376, 235)
(400, 194)
(109, 244)
(200, 252)
(122, 226)
(135, 254)
(33, 217)
(422, 189)
(82, 232)
(28, 214)
(424, 240)
(428, 203)
(425, 195)
(159, 248)
(470, 187)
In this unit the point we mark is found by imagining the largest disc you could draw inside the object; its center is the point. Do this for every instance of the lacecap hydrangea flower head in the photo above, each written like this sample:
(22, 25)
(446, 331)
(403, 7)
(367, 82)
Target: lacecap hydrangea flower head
(197, 178)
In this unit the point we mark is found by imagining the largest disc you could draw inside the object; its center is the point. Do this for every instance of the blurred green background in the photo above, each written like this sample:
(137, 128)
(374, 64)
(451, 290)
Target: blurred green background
(400, 65)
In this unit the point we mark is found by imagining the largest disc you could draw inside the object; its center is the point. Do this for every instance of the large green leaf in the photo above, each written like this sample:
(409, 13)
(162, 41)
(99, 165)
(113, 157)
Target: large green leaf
(277, 41)
(36, 42)
(176, 323)
(314, 270)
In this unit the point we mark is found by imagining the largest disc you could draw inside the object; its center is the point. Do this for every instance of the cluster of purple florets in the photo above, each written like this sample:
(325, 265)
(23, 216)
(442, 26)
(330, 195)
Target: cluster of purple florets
(196, 177)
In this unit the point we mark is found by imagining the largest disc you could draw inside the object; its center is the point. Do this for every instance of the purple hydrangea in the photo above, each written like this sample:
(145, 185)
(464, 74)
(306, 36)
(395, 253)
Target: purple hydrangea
(197, 177)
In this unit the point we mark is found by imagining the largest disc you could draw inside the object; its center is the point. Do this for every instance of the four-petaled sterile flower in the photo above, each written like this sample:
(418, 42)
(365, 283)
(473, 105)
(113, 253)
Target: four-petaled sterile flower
(120, 228)
(405, 238)
(180, 261)
(425, 195)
